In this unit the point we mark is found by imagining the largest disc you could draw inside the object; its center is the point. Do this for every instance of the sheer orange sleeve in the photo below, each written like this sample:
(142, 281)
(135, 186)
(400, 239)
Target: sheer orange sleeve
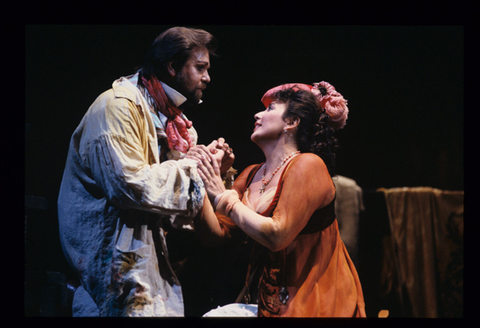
(306, 186)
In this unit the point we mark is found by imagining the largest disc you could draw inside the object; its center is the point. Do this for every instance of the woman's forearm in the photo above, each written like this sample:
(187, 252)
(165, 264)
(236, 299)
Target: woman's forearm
(207, 227)
(265, 230)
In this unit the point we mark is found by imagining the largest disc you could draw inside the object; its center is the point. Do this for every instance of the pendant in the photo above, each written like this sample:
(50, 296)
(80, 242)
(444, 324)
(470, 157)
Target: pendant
(262, 189)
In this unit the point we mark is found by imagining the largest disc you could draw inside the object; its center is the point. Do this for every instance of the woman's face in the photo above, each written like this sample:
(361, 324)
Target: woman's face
(269, 124)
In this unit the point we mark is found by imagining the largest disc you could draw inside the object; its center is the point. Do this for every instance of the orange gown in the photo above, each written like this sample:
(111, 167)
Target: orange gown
(314, 275)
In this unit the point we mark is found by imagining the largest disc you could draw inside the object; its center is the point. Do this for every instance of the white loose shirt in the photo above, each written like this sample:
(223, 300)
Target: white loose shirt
(113, 195)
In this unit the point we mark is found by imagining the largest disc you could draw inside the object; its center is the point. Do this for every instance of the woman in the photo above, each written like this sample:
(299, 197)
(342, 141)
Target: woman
(286, 205)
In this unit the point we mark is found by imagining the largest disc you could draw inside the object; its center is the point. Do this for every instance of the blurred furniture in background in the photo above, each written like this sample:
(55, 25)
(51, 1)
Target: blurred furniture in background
(411, 252)
(348, 205)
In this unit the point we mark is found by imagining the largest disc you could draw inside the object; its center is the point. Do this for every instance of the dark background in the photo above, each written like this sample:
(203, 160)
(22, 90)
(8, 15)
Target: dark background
(404, 86)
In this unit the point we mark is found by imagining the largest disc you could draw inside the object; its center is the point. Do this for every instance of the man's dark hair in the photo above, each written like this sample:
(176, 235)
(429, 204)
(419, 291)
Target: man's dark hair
(175, 44)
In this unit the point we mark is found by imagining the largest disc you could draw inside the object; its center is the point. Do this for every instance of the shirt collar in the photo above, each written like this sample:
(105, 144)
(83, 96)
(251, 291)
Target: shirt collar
(173, 95)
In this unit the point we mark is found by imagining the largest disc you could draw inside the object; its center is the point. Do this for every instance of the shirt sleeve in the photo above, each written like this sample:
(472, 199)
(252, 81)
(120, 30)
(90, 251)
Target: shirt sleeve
(120, 162)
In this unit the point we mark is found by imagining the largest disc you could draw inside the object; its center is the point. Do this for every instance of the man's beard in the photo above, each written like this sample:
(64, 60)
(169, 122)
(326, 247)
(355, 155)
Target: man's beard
(193, 98)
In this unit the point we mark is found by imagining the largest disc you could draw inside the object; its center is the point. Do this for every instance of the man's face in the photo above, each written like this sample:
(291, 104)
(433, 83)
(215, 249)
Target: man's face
(193, 77)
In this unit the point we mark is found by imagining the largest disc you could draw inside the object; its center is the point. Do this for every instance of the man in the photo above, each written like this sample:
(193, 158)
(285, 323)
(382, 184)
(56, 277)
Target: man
(126, 177)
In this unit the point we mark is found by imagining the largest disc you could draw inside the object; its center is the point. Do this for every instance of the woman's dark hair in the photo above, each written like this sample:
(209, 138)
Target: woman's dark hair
(175, 44)
(314, 134)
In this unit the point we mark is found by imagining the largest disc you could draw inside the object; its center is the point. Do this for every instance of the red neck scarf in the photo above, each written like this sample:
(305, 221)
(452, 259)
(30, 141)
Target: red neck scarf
(176, 129)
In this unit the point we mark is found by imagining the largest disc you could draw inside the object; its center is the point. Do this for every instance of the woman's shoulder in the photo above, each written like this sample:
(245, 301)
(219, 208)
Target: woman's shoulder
(307, 166)
(310, 171)
(309, 160)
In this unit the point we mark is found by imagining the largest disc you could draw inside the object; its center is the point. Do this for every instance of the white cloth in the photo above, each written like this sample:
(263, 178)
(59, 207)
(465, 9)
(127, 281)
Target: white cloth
(234, 310)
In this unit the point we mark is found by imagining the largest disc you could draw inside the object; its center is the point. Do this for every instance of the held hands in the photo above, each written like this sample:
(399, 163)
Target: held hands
(209, 171)
(219, 148)
(213, 160)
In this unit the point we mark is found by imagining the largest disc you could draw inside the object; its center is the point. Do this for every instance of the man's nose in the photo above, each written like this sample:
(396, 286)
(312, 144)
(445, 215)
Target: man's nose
(206, 77)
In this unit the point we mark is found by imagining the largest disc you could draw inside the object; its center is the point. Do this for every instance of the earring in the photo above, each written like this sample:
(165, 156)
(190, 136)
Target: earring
(285, 131)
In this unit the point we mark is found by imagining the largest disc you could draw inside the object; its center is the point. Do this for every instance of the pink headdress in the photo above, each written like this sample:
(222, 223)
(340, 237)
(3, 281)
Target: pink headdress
(331, 100)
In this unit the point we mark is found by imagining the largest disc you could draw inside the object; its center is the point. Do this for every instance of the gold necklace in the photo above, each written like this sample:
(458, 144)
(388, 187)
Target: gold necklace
(266, 182)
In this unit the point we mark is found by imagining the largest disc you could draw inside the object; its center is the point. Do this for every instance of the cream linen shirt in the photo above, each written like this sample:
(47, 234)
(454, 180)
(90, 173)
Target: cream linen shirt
(113, 196)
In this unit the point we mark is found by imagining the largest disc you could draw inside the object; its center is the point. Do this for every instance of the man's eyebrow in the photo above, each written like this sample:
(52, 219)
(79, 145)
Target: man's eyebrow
(203, 62)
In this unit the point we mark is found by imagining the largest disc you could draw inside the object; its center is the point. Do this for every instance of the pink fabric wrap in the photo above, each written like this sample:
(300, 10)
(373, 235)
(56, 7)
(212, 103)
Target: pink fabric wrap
(177, 134)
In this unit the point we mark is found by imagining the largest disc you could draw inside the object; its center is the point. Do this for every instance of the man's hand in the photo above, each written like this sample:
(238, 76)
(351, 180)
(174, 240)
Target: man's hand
(219, 149)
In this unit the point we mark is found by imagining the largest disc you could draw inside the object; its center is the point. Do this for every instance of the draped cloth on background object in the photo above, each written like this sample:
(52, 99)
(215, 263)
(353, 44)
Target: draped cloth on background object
(348, 205)
(426, 254)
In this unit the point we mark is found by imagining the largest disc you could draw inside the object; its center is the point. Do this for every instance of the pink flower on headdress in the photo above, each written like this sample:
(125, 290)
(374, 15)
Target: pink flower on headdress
(333, 103)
